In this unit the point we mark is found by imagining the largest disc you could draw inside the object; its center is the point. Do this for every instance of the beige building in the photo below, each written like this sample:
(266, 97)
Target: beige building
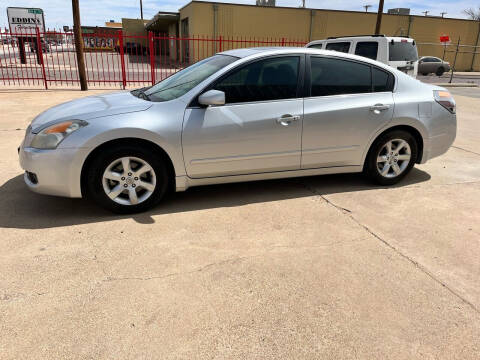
(236, 21)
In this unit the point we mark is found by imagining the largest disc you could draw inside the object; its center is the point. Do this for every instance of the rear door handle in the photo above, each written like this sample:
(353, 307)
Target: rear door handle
(287, 119)
(379, 107)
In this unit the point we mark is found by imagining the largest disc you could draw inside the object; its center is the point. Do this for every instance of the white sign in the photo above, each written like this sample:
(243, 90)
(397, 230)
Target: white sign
(25, 20)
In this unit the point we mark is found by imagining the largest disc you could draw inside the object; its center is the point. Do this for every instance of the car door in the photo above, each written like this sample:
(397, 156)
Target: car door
(258, 129)
(436, 64)
(428, 66)
(347, 102)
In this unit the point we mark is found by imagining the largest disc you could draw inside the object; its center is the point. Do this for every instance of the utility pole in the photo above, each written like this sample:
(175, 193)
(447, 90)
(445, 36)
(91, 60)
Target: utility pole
(366, 7)
(379, 17)
(443, 13)
(303, 4)
(141, 9)
(79, 45)
(425, 12)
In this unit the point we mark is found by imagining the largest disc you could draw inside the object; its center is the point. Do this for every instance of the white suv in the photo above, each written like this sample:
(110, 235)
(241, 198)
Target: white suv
(398, 52)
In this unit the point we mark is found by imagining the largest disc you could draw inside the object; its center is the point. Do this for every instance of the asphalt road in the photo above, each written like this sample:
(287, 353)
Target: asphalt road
(103, 69)
(473, 78)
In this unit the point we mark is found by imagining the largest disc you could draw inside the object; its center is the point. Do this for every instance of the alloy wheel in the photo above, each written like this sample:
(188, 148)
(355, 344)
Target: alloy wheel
(393, 158)
(129, 180)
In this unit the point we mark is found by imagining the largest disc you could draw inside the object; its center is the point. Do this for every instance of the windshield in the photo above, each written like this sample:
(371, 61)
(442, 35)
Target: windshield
(183, 81)
(403, 51)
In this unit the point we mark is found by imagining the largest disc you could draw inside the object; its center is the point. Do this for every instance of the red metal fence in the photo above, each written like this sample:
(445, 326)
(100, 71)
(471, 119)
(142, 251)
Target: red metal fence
(112, 59)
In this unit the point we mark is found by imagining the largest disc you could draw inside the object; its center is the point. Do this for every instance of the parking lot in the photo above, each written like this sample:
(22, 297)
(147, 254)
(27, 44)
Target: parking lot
(308, 268)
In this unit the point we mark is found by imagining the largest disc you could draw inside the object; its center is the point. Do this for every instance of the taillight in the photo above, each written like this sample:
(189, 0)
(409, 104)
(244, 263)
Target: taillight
(445, 99)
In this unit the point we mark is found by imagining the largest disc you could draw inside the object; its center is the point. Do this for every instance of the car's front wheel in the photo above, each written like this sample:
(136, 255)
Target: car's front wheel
(391, 157)
(440, 71)
(127, 179)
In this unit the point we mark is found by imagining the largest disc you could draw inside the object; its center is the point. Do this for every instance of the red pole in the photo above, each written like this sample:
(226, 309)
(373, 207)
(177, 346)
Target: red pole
(283, 41)
(122, 59)
(220, 43)
(152, 57)
(40, 56)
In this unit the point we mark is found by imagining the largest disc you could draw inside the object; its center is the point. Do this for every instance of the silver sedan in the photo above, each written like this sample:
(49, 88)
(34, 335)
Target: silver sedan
(431, 64)
(240, 115)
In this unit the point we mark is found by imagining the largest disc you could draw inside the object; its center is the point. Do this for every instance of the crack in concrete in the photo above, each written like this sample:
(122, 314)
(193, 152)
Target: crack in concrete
(469, 151)
(392, 247)
(200, 269)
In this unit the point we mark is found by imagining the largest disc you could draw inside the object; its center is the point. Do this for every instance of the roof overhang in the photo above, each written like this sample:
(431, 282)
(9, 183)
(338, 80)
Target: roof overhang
(162, 20)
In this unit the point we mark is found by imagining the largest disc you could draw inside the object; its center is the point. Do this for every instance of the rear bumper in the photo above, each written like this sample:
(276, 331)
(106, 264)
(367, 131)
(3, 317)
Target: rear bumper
(57, 172)
(437, 145)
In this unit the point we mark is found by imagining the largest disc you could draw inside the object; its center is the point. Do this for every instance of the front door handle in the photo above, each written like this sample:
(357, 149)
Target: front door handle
(377, 108)
(287, 119)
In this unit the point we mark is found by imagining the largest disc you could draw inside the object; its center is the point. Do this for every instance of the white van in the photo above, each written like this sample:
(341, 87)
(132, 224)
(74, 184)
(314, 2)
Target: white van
(397, 51)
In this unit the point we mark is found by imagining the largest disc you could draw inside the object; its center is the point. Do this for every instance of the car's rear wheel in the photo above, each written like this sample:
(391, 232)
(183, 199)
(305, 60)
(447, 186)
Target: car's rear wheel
(440, 71)
(127, 179)
(391, 157)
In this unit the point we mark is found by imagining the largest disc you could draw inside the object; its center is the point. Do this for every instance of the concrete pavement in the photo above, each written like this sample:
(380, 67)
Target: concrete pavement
(310, 268)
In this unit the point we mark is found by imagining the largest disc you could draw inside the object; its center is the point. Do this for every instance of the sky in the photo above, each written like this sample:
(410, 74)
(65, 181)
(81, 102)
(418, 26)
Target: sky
(96, 12)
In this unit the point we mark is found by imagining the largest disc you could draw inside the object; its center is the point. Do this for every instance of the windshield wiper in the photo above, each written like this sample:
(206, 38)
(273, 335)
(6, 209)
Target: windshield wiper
(171, 87)
(140, 93)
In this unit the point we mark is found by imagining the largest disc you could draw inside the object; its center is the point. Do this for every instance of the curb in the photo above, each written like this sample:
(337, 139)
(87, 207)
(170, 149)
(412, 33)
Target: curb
(454, 85)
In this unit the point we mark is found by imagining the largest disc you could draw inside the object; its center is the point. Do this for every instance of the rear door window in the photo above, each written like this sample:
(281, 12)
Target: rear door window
(339, 46)
(330, 76)
(368, 49)
(316, 46)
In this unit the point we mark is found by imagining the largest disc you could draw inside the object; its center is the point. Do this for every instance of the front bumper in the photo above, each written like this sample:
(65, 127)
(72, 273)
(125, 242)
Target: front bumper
(57, 171)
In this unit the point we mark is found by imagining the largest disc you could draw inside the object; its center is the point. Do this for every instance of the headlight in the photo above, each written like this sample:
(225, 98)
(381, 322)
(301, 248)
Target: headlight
(51, 136)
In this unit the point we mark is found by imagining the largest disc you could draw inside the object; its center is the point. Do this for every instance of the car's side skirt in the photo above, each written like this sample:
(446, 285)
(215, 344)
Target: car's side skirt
(184, 182)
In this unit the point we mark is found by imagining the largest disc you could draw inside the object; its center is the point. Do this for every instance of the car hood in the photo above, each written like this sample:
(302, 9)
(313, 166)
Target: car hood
(91, 107)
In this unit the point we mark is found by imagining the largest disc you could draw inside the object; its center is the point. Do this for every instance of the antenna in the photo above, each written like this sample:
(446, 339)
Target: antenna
(443, 13)
(425, 12)
(303, 4)
(366, 7)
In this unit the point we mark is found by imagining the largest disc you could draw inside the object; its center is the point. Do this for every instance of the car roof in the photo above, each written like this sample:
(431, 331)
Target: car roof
(361, 38)
(241, 53)
(262, 51)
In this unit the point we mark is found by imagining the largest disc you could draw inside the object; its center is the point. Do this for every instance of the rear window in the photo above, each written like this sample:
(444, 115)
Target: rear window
(402, 51)
(316, 46)
(368, 49)
(382, 80)
(339, 46)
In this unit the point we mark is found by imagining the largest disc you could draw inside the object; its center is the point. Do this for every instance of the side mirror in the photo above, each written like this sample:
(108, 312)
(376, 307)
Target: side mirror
(212, 97)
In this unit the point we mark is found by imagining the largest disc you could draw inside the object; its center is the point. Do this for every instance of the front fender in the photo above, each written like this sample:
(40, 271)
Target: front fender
(161, 125)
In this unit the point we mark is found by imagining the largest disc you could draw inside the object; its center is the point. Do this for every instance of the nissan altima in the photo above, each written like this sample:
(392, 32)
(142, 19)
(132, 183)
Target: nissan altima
(240, 115)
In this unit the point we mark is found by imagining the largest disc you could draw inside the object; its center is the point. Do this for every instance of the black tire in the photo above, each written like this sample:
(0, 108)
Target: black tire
(94, 180)
(371, 168)
(440, 71)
